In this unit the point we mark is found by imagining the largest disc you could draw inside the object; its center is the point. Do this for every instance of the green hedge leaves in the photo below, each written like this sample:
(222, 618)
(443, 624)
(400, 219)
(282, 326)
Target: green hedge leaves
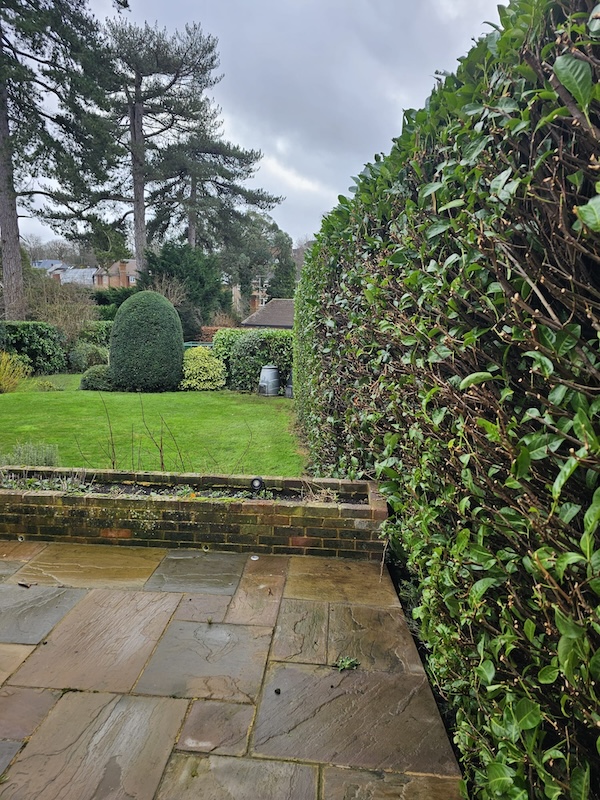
(446, 342)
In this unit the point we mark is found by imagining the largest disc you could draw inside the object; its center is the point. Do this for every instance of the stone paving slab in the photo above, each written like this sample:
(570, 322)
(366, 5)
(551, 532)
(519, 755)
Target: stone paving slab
(340, 581)
(28, 615)
(197, 571)
(263, 714)
(8, 568)
(20, 551)
(202, 607)
(378, 638)
(97, 746)
(216, 662)
(267, 566)
(91, 566)
(219, 728)
(190, 777)
(104, 645)
(256, 600)
(373, 720)
(301, 632)
(11, 658)
(22, 710)
(8, 750)
(348, 784)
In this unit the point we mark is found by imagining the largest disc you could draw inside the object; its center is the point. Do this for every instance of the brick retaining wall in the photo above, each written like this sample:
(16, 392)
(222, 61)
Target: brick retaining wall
(347, 528)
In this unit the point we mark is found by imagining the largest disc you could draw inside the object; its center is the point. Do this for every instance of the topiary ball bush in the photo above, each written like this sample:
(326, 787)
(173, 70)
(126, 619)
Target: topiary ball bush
(146, 345)
(97, 379)
(202, 370)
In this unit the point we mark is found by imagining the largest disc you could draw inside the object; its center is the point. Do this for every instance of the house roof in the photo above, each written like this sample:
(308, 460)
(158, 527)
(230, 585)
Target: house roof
(84, 275)
(49, 264)
(277, 313)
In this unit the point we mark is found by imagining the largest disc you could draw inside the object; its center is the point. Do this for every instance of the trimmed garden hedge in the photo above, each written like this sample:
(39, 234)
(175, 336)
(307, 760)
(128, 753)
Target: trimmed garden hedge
(146, 345)
(40, 346)
(244, 352)
(447, 342)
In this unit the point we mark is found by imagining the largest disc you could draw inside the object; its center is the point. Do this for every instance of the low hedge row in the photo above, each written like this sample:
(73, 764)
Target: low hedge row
(42, 347)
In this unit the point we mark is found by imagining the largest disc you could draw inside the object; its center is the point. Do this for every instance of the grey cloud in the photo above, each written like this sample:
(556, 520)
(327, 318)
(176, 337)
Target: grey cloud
(330, 78)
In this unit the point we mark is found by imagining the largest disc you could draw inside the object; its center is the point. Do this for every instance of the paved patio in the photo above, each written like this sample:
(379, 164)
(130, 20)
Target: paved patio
(150, 674)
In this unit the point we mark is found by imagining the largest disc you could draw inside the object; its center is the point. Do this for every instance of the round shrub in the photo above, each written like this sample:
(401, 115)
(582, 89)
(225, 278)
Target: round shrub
(97, 379)
(202, 370)
(146, 345)
(85, 355)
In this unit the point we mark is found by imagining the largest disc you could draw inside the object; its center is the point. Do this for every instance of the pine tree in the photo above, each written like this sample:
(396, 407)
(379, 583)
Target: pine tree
(161, 97)
(199, 189)
(50, 63)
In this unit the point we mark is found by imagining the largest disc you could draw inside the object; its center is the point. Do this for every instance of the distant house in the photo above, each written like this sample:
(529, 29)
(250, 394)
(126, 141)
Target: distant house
(53, 267)
(277, 313)
(83, 276)
(121, 273)
(65, 273)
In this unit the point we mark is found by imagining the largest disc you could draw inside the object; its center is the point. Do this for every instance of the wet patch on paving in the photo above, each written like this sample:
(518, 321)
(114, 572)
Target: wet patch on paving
(22, 710)
(91, 566)
(301, 632)
(202, 607)
(8, 568)
(30, 612)
(344, 784)
(340, 581)
(11, 658)
(197, 571)
(189, 674)
(97, 746)
(14, 554)
(381, 720)
(378, 638)
(8, 750)
(220, 778)
(104, 645)
(217, 662)
(20, 551)
(256, 601)
(219, 728)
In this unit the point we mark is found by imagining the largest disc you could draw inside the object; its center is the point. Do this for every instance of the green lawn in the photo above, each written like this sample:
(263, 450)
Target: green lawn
(222, 432)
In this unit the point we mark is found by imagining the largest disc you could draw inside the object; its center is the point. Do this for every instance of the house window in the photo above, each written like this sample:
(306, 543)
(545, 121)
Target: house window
(131, 278)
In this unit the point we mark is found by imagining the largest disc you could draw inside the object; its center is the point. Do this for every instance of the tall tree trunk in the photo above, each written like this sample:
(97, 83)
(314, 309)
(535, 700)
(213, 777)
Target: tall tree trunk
(138, 173)
(192, 214)
(12, 268)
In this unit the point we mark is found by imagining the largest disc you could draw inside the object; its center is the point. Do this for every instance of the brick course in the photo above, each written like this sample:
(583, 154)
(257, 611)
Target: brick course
(343, 529)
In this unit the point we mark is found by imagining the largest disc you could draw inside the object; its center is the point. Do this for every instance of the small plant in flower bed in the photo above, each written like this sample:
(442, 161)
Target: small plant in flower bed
(73, 483)
(32, 453)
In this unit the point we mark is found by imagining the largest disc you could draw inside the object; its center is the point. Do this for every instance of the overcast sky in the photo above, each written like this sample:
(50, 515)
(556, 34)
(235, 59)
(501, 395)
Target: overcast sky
(319, 86)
